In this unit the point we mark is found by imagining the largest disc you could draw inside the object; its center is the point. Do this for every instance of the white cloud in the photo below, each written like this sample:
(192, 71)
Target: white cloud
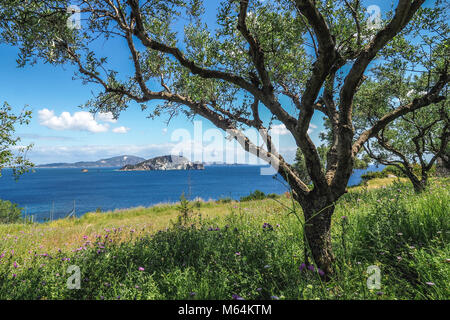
(105, 117)
(311, 128)
(121, 129)
(279, 129)
(79, 121)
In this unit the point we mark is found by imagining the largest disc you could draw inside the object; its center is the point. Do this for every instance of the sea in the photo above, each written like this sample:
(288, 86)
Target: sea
(55, 193)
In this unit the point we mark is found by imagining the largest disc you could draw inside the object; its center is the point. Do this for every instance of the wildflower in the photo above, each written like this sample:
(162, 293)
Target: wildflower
(15, 265)
(399, 258)
(311, 267)
(192, 294)
(321, 273)
(380, 293)
(429, 283)
(399, 234)
(238, 253)
(267, 226)
(14, 275)
(141, 269)
(258, 289)
(85, 237)
(274, 298)
(237, 297)
(302, 267)
(344, 218)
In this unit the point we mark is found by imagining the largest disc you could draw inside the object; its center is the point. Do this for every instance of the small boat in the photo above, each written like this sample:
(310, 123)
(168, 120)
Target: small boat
(85, 170)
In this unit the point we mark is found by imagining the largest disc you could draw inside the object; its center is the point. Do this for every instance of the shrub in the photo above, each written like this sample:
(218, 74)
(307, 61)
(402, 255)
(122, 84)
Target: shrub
(255, 195)
(9, 212)
(224, 200)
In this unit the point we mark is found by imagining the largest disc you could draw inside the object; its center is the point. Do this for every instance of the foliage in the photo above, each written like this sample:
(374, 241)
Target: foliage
(392, 170)
(11, 154)
(258, 195)
(255, 254)
(9, 212)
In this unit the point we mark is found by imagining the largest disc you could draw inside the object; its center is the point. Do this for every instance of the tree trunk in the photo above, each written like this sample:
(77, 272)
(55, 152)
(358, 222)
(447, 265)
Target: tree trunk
(317, 213)
(418, 184)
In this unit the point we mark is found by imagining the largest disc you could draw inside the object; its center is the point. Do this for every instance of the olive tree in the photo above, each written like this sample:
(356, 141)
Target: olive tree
(314, 54)
(12, 155)
(413, 142)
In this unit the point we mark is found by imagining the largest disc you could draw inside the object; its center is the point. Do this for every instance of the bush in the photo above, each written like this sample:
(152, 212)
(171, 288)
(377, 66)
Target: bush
(391, 170)
(256, 195)
(225, 200)
(10, 212)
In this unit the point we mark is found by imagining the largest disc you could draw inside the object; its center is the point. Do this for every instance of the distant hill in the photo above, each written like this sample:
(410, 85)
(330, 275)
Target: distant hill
(102, 163)
(164, 163)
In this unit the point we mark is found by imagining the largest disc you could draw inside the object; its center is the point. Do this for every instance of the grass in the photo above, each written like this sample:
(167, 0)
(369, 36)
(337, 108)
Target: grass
(229, 249)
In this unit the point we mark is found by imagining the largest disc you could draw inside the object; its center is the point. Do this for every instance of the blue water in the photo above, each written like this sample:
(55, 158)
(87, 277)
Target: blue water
(109, 189)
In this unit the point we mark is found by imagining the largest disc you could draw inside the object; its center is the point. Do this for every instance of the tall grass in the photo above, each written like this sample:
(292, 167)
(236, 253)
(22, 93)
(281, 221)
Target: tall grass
(250, 250)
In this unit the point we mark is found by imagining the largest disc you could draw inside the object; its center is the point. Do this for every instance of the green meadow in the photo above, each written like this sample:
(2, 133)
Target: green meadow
(236, 250)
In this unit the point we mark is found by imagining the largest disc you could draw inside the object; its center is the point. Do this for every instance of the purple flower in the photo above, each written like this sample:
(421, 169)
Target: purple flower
(15, 265)
(237, 297)
(302, 267)
(274, 298)
(344, 217)
(258, 289)
(192, 294)
(267, 226)
(311, 267)
(141, 269)
(380, 293)
(238, 253)
(321, 273)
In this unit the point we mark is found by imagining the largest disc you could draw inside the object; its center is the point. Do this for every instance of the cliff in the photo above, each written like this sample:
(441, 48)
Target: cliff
(164, 163)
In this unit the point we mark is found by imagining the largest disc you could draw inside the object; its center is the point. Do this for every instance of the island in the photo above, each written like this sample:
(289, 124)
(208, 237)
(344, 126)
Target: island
(169, 162)
(114, 162)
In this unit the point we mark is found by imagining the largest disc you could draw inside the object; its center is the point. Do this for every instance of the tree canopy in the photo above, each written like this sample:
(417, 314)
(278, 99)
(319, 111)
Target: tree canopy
(12, 155)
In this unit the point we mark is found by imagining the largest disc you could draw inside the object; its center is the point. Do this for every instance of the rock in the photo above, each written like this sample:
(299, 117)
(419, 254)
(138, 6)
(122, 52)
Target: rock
(164, 163)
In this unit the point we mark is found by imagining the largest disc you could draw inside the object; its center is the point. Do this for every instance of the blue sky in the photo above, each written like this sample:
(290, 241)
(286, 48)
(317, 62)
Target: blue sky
(60, 133)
